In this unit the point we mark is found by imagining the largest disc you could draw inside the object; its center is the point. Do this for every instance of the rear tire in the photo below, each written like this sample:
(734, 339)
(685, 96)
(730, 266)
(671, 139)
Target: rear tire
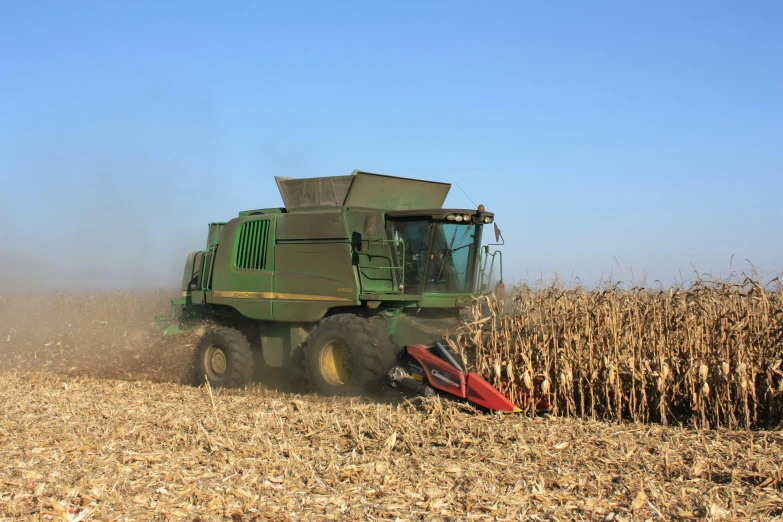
(348, 355)
(225, 358)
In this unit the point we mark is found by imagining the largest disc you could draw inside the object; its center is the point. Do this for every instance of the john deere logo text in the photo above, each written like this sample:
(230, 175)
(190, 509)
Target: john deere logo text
(248, 295)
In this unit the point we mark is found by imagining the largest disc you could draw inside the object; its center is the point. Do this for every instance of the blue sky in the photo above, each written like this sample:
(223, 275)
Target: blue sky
(645, 135)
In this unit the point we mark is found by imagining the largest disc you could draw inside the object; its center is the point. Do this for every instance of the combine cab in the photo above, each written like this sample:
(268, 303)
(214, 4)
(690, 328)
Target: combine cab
(352, 283)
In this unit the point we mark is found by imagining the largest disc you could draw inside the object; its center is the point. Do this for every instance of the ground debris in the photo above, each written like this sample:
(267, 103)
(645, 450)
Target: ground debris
(100, 422)
(160, 453)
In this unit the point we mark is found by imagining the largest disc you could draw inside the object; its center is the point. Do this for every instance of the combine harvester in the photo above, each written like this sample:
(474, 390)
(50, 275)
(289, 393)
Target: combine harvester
(355, 281)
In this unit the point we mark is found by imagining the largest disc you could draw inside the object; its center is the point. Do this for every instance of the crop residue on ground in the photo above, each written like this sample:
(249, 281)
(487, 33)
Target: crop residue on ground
(101, 422)
(137, 450)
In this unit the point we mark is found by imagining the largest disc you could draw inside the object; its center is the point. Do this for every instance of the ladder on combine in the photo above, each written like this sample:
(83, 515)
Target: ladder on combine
(204, 283)
(213, 238)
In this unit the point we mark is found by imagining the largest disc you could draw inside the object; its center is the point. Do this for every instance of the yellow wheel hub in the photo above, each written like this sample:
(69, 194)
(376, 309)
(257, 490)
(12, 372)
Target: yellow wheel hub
(335, 363)
(216, 361)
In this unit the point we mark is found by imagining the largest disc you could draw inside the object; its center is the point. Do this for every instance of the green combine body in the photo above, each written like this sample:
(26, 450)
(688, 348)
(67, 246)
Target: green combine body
(336, 282)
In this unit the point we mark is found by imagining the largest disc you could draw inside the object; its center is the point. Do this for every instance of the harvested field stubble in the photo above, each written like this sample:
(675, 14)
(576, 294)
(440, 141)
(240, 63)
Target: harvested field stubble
(136, 450)
(708, 356)
(99, 422)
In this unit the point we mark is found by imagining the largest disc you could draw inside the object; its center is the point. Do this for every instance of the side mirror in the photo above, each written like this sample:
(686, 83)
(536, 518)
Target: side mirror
(365, 247)
(497, 232)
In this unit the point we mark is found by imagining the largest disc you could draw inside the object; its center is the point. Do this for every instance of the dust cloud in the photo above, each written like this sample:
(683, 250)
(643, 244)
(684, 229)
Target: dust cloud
(98, 220)
(111, 335)
(80, 220)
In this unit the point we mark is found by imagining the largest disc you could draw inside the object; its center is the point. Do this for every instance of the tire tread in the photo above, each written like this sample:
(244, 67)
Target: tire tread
(377, 349)
(236, 343)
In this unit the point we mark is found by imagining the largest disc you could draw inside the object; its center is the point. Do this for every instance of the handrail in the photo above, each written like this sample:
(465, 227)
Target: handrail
(392, 268)
(486, 278)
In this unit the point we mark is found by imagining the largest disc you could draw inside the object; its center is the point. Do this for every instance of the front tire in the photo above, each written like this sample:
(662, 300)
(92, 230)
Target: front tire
(348, 355)
(224, 357)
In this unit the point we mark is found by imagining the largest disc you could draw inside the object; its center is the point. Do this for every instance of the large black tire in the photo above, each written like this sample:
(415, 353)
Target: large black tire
(370, 355)
(225, 358)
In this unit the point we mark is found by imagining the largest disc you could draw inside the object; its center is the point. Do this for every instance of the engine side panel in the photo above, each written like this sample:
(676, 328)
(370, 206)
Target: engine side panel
(311, 278)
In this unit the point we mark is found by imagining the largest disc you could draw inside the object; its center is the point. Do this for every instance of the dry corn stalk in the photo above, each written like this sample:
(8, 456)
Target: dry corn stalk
(708, 355)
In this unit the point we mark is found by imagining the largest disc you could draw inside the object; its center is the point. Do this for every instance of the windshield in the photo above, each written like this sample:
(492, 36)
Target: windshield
(445, 252)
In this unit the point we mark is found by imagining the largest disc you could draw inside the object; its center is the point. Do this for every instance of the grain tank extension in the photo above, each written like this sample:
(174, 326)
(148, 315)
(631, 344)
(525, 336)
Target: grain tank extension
(352, 283)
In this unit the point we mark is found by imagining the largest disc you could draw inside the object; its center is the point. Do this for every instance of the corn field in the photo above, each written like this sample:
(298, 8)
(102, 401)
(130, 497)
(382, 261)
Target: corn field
(708, 356)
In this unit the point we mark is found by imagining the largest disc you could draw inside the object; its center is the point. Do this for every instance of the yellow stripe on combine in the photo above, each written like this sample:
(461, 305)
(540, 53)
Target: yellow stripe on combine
(243, 295)
(277, 295)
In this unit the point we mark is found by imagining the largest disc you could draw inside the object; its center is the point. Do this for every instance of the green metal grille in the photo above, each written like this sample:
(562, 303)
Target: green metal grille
(251, 245)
